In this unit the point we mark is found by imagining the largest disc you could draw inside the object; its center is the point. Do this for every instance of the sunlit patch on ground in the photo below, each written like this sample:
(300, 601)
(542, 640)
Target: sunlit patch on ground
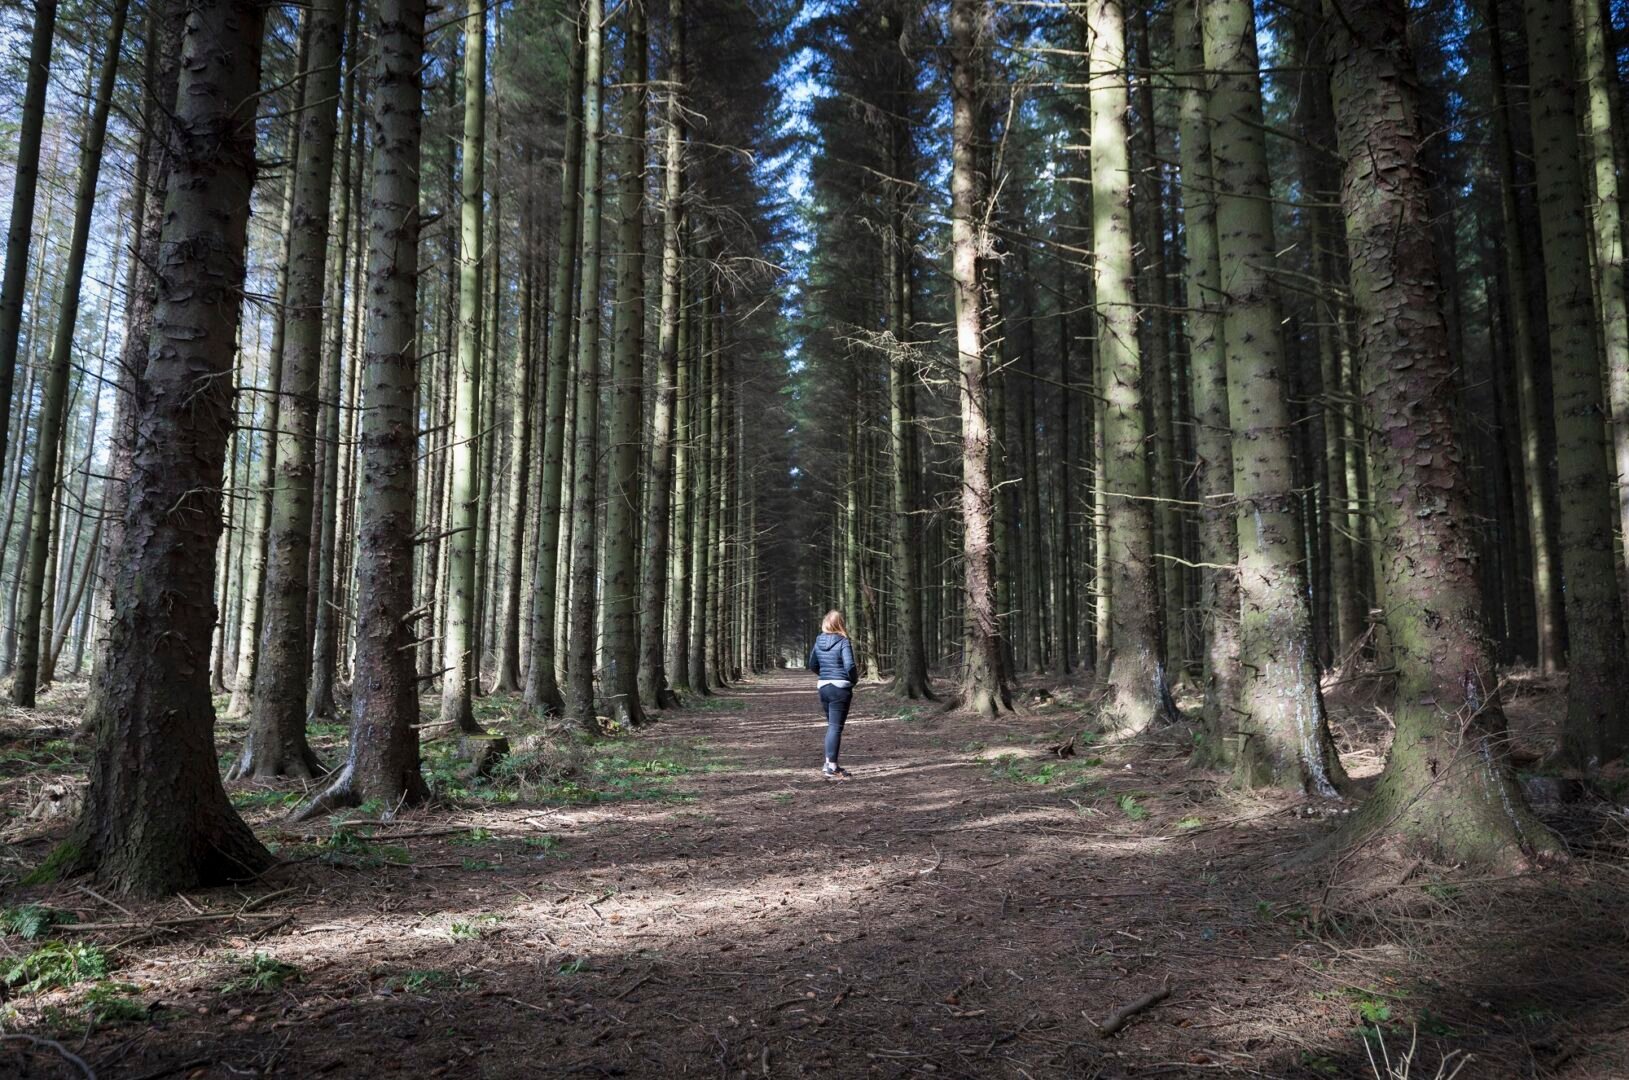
(697, 900)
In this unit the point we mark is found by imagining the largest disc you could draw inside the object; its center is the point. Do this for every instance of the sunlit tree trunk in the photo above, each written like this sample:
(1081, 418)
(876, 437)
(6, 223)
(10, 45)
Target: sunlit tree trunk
(1285, 734)
(580, 624)
(984, 688)
(325, 630)
(54, 396)
(276, 744)
(252, 605)
(683, 426)
(383, 764)
(542, 693)
(460, 662)
(1207, 365)
(1136, 675)
(522, 406)
(1446, 783)
(701, 495)
(25, 188)
(653, 672)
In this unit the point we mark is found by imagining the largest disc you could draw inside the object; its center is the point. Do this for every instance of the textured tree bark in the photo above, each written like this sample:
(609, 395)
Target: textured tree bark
(585, 466)
(325, 630)
(156, 818)
(1446, 783)
(1285, 737)
(1139, 693)
(619, 683)
(460, 661)
(702, 494)
(653, 672)
(52, 418)
(1596, 76)
(25, 188)
(265, 468)
(1596, 729)
(984, 688)
(1207, 366)
(383, 764)
(276, 743)
(683, 425)
(522, 405)
(542, 693)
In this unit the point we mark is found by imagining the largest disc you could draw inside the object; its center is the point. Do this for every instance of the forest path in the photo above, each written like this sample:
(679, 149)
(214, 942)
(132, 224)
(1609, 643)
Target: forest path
(695, 900)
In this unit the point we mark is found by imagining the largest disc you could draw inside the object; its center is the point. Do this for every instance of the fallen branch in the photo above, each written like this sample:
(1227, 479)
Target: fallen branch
(1118, 1018)
(67, 1055)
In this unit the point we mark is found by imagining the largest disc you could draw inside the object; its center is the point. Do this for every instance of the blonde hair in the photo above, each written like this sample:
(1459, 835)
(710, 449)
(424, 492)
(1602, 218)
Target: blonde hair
(833, 623)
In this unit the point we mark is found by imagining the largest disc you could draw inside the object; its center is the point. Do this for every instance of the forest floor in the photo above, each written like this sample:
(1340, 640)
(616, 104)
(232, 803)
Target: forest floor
(694, 900)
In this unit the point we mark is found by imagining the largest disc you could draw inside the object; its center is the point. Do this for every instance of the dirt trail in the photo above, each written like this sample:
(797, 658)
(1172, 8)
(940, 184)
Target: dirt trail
(949, 911)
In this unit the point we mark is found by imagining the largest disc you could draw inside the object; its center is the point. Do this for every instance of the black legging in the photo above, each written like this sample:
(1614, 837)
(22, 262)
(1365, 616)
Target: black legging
(834, 701)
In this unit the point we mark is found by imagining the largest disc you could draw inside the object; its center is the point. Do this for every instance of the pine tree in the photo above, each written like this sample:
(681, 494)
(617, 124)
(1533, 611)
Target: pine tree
(1286, 741)
(1446, 782)
(383, 763)
(1136, 677)
(54, 398)
(984, 685)
(24, 192)
(460, 657)
(624, 505)
(542, 693)
(276, 743)
(154, 730)
(585, 466)
(1207, 365)
(654, 584)
(1596, 729)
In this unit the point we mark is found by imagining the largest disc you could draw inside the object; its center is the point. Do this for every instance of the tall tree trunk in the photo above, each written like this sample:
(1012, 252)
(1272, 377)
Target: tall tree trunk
(25, 187)
(1446, 782)
(460, 664)
(325, 631)
(623, 505)
(1286, 739)
(1138, 683)
(1597, 80)
(911, 673)
(522, 404)
(54, 399)
(1213, 432)
(155, 727)
(653, 674)
(1155, 294)
(276, 743)
(700, 459)
(683, 425)
(1539, 495)
(585, 466)
(984, 687)
(1596, 729)
(383, 764)
(542, 693)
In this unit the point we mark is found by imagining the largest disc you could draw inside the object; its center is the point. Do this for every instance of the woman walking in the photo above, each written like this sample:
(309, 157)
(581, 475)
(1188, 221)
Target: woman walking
(832, 660)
